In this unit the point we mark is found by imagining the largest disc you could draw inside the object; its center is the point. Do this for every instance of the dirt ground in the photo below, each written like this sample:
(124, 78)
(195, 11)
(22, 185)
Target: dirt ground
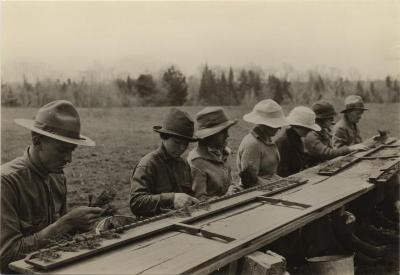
(124, 135)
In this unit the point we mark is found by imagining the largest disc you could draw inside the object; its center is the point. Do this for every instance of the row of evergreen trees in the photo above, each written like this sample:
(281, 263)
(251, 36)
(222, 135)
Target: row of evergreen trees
(171, 87)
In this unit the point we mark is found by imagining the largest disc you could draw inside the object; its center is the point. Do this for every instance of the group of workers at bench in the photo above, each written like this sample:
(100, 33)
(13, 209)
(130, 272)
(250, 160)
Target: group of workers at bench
(34, 192)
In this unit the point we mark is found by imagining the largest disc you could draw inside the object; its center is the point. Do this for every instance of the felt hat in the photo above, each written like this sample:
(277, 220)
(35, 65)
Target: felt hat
(267, 112)
(60, 120)
(353, 102)
(304, 117)
(323, 109)
(177, 123)
(212, 120)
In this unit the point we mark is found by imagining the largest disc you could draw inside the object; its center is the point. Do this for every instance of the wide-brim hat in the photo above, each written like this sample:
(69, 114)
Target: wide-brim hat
(267, 112)
(304, 117)
(212, 120)
(323, 109)
(353, 102)
(59, 120)
(179, 124)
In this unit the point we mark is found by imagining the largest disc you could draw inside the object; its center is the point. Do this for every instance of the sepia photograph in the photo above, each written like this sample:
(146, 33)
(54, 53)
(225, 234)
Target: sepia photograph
(200, 137)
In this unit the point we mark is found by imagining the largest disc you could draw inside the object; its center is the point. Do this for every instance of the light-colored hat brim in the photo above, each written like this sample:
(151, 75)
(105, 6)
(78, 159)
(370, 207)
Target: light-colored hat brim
(314, 127)
(271, 122)
(30, 124)
(160, 129)
(206, 132)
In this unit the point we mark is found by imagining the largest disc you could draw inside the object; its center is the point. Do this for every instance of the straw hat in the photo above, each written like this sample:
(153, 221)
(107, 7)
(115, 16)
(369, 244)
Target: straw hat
(267, 112)
(212, 120)
(60, 120)
(323, 109)
(353, 102)
(304, 117)
(177, 123)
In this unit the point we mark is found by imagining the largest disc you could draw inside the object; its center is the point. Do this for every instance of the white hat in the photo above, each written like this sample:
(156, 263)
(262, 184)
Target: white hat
(304, 117)
(267, 112)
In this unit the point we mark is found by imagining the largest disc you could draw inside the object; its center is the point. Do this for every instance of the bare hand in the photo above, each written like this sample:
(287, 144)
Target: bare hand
(182, 200)
(81, 217)
(358, 147)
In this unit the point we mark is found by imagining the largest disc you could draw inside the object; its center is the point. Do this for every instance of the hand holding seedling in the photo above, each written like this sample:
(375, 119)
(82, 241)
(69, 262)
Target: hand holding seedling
(81, 217)
(182, 200)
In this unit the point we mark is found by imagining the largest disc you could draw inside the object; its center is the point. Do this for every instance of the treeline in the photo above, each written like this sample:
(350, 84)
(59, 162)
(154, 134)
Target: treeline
(214, 87)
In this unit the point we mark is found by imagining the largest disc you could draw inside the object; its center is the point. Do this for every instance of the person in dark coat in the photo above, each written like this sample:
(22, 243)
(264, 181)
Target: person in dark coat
(318, 144)
(34, 189)
(162, 179)
(289, 141)
(211, 171)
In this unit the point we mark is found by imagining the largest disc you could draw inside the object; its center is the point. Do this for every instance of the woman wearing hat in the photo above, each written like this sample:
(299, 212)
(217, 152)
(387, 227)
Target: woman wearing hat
(258, 156)
(318, 144)
(162, 180)
(346, 132)
(33, 187)
(290, 145)
(210, 171)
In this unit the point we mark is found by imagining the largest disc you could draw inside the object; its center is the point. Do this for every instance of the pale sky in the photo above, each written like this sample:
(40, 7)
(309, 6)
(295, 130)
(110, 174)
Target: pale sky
(360, 39)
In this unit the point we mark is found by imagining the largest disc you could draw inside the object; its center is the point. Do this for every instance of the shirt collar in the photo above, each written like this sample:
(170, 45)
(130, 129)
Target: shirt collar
(37, 167)
(211, 154)
(349, 124)
(258, 134)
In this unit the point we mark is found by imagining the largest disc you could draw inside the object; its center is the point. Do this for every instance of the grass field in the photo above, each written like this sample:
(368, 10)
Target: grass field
(124, 135)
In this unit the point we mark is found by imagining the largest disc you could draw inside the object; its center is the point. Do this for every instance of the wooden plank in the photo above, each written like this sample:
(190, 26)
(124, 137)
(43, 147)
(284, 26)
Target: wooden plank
(68, 257)
(384, 173)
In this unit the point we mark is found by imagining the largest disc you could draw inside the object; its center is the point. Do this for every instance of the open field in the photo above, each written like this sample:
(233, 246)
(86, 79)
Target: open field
(124, 135)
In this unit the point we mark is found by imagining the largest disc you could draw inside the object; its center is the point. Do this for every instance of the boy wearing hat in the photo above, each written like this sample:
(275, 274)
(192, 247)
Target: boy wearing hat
(289, 142)
(208, 161)
(162, 179)
(33, 187)
(346, 132)
(318, 144)
(258, 157)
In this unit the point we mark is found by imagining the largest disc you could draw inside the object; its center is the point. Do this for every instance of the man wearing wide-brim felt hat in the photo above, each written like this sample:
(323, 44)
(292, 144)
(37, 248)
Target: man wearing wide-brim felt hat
(33, 187)
(211, 172)
(346, 131)
(289, 141)
(162, 180)
(258, 157)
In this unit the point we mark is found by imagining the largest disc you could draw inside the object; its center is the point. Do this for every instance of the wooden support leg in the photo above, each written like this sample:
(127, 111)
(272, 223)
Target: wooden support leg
(259, 263)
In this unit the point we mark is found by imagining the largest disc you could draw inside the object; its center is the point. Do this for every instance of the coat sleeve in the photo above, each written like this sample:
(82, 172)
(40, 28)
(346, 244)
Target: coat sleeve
(199, 178)
(318, 150)
(249, 163)
(340, 137)
(15, 244)
(142, 200)
(283, 167)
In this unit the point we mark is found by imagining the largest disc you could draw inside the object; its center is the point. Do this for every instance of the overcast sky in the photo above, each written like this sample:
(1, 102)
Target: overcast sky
(360, 39)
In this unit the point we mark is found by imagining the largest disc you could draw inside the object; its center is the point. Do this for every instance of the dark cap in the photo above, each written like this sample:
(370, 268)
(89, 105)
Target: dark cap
(323, 109)
(177, 123)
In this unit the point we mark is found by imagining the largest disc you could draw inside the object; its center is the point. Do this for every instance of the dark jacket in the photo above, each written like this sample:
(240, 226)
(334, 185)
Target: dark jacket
(31, 199)
(155, 180)
(291, 151)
